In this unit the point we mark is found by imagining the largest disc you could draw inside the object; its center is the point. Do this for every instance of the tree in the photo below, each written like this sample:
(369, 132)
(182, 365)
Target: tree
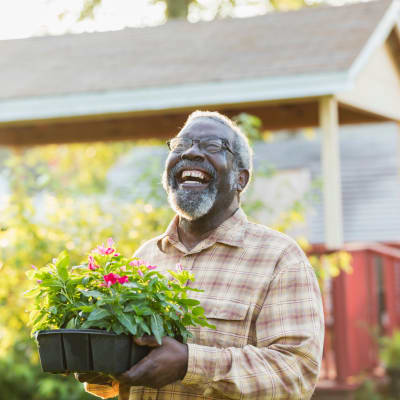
(181, 8)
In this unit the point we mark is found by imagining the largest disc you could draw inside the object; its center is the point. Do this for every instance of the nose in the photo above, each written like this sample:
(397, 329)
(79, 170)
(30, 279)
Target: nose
(193, 153)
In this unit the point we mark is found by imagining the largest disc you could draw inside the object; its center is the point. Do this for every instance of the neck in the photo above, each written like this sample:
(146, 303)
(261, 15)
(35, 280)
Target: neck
(193, 232)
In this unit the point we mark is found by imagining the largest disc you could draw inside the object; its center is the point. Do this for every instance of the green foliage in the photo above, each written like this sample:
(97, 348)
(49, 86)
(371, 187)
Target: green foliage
(221, 8)
(21, 378)
(368, 391)
(57, 202)
(390, 350)
(115, 293)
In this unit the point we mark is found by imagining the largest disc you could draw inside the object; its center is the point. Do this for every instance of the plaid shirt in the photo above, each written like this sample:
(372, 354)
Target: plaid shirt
(262, 294)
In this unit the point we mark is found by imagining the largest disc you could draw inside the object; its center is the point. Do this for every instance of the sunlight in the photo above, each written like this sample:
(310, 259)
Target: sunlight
(26, 18)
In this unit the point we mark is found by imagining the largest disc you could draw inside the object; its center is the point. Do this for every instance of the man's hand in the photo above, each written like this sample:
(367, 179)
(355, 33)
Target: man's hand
(165, 364)
(94, 377)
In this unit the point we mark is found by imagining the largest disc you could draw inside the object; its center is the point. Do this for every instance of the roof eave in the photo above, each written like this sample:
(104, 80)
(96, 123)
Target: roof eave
(389, 21)
(173, 97)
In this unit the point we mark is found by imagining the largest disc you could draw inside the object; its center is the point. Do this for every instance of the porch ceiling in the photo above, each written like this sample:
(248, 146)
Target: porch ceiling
(162, 125)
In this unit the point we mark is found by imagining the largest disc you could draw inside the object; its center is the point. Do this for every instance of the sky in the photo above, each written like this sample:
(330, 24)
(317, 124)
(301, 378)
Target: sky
(25, 18)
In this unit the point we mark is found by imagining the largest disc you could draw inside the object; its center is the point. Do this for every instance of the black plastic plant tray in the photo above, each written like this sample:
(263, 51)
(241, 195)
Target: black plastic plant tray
(85, 350)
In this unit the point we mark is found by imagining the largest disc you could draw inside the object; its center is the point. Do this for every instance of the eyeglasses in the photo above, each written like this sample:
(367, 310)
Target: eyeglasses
(179, 145)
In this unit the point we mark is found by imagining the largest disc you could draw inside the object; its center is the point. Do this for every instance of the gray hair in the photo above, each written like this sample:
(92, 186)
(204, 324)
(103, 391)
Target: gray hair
(240, 146)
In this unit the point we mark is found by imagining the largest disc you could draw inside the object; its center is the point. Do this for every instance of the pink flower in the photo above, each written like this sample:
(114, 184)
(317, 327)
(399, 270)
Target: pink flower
(123, 268)
(123, 279)
(92, 264)
(39, 281)
(104, 250)
(111, 279)
(110, 242)
(150, 267)
(140, 272)
(116, 255)
(178, 267)
(136, 263)
(33, 266)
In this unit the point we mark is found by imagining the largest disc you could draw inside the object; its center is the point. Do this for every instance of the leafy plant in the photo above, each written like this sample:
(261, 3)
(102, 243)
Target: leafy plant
(390, 350)
(115, 293)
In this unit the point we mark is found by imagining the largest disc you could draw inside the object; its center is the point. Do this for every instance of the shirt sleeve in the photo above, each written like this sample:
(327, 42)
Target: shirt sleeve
(285, 362)
(103, 391)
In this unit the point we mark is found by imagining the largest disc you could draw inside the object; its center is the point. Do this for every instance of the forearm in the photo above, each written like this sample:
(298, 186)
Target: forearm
(275, 372)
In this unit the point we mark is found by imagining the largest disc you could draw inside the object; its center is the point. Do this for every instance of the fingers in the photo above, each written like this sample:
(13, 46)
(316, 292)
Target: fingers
(146, 340)
(93, 377)
(138, 374)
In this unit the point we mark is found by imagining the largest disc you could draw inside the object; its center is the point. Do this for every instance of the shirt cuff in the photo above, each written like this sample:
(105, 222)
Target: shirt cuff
(103, 391)
(202, 363)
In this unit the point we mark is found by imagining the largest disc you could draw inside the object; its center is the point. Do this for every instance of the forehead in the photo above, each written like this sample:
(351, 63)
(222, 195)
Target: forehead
(206, 127)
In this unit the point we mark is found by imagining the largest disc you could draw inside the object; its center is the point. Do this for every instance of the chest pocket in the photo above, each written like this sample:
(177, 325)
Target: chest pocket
(232, 323)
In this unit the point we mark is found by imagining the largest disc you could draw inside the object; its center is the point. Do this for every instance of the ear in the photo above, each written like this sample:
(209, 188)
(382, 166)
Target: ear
(243, 179)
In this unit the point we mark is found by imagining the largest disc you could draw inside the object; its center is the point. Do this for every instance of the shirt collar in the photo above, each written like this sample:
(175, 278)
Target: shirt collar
(230, 232)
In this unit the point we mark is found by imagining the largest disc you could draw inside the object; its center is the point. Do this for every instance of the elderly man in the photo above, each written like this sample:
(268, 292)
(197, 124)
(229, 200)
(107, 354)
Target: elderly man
(259, 288)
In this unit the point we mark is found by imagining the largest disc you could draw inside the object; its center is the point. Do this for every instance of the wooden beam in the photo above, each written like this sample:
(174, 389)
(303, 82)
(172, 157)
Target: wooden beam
(289, 115)
(398, 146)
(330, 157)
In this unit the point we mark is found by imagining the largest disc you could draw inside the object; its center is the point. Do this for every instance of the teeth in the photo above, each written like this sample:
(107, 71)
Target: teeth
(193, 174)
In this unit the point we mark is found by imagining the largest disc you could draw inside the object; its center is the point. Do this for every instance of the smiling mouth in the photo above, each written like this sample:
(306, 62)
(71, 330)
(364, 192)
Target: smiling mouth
(193, 178)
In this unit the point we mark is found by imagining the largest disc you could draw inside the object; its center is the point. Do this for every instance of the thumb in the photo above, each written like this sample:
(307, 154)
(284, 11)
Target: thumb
(146, 340)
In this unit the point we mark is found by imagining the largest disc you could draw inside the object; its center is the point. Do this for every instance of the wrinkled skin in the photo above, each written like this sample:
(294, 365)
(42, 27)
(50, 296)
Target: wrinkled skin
(165, 364)
(192, 231)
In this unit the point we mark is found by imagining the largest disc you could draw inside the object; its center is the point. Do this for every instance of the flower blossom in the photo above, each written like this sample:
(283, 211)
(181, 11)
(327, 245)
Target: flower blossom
(123, 279)
(112, 279)
(104, 250)
(140, 272)
(150, 267)
(92, 264)
(136, 263)
(33, 266)
(178, 267)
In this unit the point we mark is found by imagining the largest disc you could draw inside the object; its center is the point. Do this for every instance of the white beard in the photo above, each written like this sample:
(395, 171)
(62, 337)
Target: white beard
(191, 204)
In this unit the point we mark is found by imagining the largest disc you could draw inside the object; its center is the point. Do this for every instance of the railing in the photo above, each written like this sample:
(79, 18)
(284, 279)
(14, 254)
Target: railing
(359, 306)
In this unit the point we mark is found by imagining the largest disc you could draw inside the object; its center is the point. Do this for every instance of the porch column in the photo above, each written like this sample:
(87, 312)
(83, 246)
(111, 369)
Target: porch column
(398, 146)
(330, 159)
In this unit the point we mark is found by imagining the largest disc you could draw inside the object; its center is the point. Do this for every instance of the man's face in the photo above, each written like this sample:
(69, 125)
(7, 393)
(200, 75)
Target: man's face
(196, 181)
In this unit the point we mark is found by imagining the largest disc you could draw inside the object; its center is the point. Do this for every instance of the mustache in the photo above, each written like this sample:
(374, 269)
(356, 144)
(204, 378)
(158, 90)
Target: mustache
(186, 164)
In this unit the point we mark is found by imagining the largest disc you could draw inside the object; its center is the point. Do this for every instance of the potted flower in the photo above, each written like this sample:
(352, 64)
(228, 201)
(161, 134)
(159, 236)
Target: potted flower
(84, 315)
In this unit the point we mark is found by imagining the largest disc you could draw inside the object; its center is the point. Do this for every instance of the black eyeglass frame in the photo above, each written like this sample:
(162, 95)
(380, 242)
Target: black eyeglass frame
(225, 143)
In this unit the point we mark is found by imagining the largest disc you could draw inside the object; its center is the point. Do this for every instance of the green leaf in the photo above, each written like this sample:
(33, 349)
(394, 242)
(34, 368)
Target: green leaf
(53, 310)
(189, 302)
(92, 293)
(126, 322)
(198, 311)
(71, 324)
(133, 285)
(157, 328)
(62, 264)
(98, 314)
(142, 324)
(85, 308)
(85, 280)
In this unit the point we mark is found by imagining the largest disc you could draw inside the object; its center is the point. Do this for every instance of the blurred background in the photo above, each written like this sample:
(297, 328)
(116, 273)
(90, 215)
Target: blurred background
(91, 89)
